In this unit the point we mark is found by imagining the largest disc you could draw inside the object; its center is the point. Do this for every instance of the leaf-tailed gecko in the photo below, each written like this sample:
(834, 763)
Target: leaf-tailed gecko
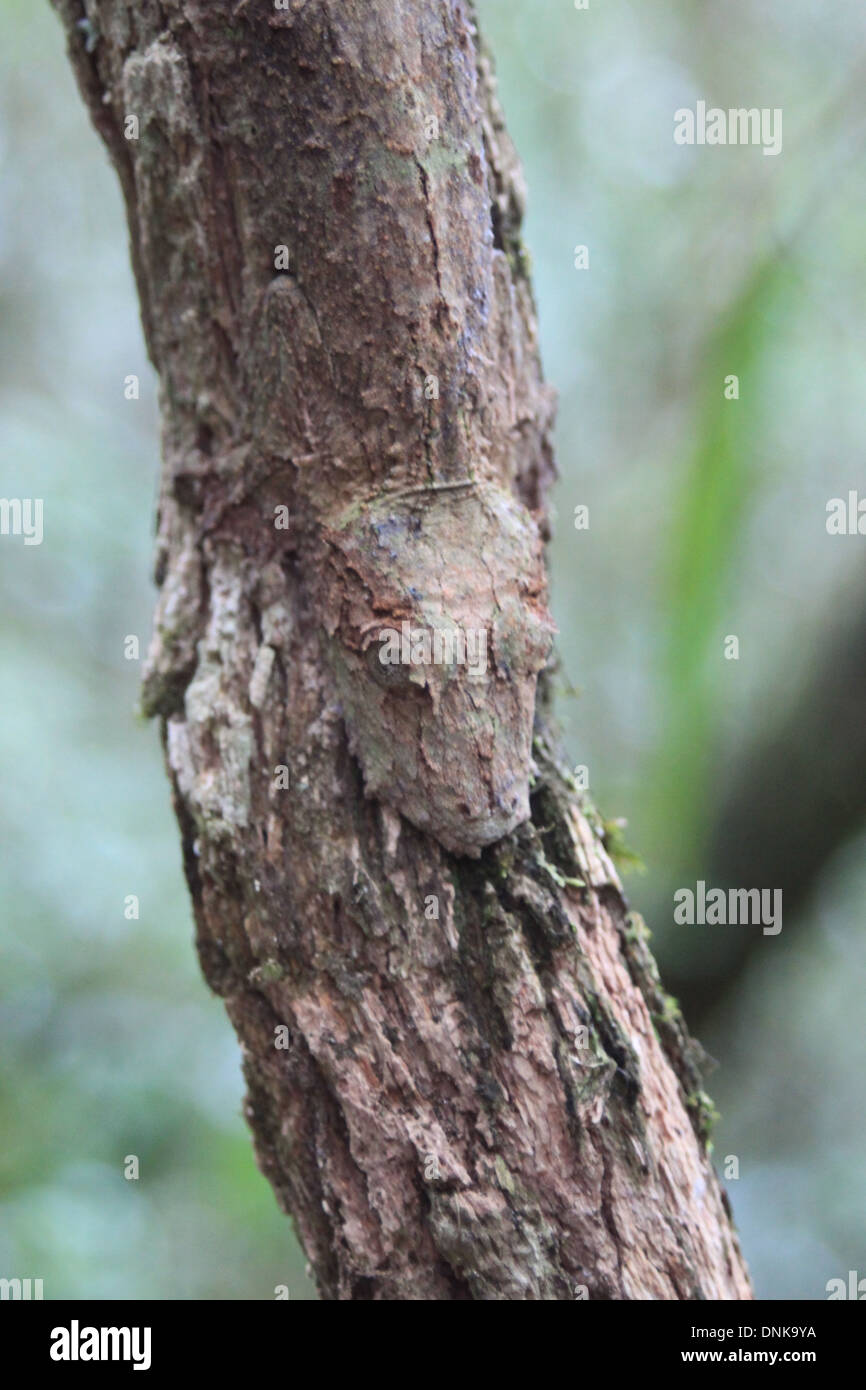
(437, 627)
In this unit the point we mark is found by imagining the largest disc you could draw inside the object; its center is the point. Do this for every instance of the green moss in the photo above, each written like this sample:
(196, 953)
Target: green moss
(670, 1010)
(561, 880)
(268, 973)
(636, 929)
(704, 1116)
(614, 842)
(518, 258)
(503, 1176)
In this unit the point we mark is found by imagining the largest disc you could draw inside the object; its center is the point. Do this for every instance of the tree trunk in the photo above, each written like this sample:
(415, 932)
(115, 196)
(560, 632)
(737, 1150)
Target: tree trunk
(485, 1092)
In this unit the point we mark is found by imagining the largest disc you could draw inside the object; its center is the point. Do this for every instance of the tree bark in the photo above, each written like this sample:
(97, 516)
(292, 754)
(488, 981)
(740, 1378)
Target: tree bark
(486, 1095)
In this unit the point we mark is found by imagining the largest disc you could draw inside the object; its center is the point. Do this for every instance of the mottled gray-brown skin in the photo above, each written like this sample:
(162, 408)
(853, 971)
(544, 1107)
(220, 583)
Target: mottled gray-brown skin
(448, 744)
(487, 1093)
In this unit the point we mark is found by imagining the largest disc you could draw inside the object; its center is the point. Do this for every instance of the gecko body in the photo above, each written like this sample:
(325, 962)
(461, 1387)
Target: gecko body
(437, 628)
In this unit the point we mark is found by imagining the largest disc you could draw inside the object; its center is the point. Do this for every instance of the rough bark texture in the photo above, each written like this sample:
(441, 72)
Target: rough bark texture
(498, 1101)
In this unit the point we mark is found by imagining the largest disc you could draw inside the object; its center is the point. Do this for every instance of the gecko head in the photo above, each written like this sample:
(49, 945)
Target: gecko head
(442, 631)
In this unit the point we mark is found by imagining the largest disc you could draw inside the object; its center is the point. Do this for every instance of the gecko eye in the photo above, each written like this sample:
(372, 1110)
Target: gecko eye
(384, 664)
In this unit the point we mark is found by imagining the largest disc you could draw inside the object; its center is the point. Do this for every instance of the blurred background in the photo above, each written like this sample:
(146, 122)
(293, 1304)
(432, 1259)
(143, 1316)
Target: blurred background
(707, 519)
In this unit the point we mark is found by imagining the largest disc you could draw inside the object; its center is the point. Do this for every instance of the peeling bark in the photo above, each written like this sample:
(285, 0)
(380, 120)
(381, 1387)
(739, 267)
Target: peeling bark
(487, 1094)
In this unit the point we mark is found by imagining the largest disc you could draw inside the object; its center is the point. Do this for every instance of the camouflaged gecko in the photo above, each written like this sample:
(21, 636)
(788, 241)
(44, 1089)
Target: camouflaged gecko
(455, 571)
